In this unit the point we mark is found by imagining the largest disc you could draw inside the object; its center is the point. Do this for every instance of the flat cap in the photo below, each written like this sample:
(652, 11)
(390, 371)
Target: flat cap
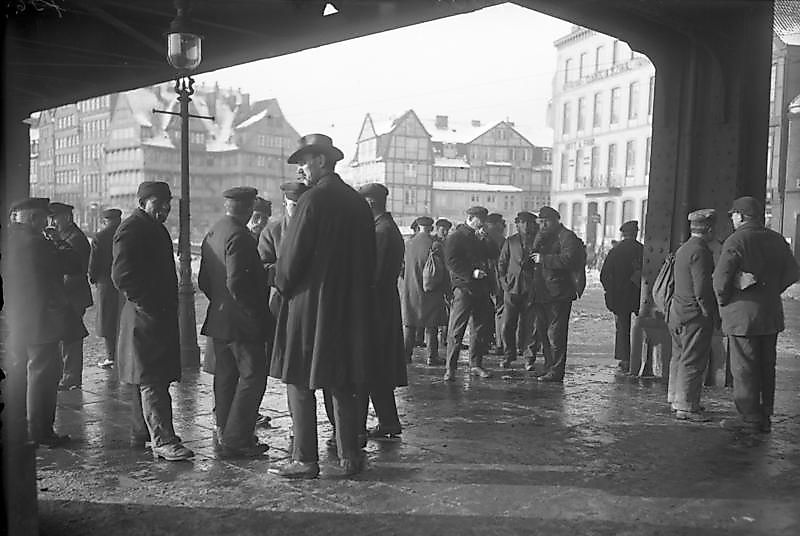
(444, 222)
(631, 226)
(374, 190)
(32, 203)
(495, 218)
(292, 190)
(158, 189)
(240, 193)
(425, 221)
(702, 216)
(480, 212)
(111, 213)
(749, 206)
(262, 205)
(60, 208)
(525, 216)
(548, 213)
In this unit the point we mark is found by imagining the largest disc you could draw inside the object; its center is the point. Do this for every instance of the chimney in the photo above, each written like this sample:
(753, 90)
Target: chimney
(476, 122)
(441, 122)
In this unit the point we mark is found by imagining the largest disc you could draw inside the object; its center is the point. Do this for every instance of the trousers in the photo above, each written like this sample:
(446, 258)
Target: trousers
(753, 367)
(303, 409)
(552, 324)
(431, 334)
(72, 357)
(151, 413)
(687, 368)
(385, 407)
(622, 336)
(519, 329)
(466, 305)
(44, 371)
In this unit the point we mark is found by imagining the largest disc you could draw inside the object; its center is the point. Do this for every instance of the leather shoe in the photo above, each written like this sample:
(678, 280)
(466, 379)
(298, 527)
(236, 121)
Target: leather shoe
(172, 452)
(480, 371)
(550, 378)
(296, 470)
(693, 416)
(379, 434)
(352, 466)
(253, 450)
(54, 441)
(449, 376)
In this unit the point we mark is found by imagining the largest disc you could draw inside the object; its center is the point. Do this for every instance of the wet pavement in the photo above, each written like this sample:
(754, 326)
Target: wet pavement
(599, 454)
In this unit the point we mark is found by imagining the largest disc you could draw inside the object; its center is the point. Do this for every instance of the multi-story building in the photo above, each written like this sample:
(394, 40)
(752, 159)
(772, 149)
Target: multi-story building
(439, 167)
(601, 113)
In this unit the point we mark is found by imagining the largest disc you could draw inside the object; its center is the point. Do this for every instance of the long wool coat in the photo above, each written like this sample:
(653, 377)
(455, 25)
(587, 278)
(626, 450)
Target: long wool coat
(325, 273)
(388, 366)
(623, 264)
(77, 285)
(109, 301)
(422, 309)
(144, 271)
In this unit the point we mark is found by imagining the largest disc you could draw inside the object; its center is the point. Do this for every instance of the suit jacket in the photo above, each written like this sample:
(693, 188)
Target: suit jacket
(757, 310)
(620, 268)
(143, 269)
(77, 284)
(325, 273)
(233, 278)
(465, 252)
(560, 251)
(515, 270)
(694, 294)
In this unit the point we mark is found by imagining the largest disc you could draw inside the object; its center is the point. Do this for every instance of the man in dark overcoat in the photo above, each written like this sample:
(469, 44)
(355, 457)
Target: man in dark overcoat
(441, 229)
(109, 299)
(692, 317)
(387, 368)
(495, 238)
(754, 268)
(421, 308)
(324, 339)
(557, 251)
(148, 354)
(515, 275)
(39, 313)
(233, 279)
(467, 257)
(78, 291)
(621, 277)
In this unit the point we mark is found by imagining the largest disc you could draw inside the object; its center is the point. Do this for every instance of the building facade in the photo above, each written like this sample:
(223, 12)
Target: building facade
(601, 113)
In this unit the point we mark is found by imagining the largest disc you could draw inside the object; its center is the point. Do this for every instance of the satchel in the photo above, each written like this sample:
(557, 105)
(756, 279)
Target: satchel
(432, 272)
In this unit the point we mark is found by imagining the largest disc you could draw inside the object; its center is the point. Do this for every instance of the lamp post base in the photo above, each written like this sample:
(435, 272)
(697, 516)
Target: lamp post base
(187, 325)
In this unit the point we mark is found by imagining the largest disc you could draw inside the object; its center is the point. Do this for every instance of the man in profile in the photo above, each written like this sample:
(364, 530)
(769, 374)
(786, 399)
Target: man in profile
(108, 297)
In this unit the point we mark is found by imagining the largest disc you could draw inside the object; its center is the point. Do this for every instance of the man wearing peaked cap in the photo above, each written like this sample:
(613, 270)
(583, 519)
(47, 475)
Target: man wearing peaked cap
(495, 236)
(692, 317)
(441, 228)
(112, 214)
(425, 221)
(109, 300)
(159, 189)
(548, 213)
(478, 212)
(754, 268)
(237, 322)
(621, 276)
(374, 190)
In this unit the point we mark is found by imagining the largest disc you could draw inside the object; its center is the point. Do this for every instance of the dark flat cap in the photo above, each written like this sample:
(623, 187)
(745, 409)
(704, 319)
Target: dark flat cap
(631, 226)
(481, 212)
(703, 215)
(60, 208)
(315, 143)
(294, 189)
(111, 213)
(32, 203)
(374, 190)
(444, 222)
(240, 193)
(749, 206)
(158, 189)
(425, 221)
(548, 213)
(495, 218)
(262, 205)
(525, 216)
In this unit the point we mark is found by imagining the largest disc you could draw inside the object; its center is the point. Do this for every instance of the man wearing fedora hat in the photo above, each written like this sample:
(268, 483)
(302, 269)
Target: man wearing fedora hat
(754, 268)
(108, 297)
(324, 338)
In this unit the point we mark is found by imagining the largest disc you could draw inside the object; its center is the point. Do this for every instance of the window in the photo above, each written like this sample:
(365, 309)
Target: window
(643, 214)
(597, 120)
(615, 52)
(582, 65)
(598, 58)
(490, 199)
(411, 170)
(562, 208)
(581, 114)
(579, 165)
(612, 160)
(615, 97)
(567, 67)
(474, 198)
(773, 77)
(630, 158)
(565, 119)
(410, 196)
(564, 167)
(647, 157)
(594, 172)
(627, 210)
(261, 160)
(610, 218)
(633, 101)
(577, 217)
(261, 140)
(651, 95)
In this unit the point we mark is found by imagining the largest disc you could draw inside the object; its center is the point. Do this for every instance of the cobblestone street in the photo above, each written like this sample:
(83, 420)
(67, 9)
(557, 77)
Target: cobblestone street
(600, 454)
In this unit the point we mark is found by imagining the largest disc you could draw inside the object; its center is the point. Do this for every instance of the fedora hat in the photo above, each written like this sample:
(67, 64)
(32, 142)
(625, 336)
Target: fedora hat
(315, 143)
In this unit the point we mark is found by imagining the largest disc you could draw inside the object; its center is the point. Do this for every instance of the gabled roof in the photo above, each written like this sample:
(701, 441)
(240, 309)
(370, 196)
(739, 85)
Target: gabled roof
(456, 131)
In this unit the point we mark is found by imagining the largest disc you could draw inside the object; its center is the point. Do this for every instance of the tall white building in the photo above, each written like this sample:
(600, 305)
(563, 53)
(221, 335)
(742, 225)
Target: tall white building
(601, 113)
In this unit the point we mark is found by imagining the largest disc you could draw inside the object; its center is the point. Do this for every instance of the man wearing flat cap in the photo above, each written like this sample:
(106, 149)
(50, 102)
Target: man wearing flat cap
(557, 254)
(692, 317)
(495, 237)
(515, 271)
(148, 353)
(754, 268)
(262, 211)
(109, 300)
(387, 369)
(467, 257)
(39, 313)
(324, 339)
(78, 291)
(441, 228)
(238, 322)
(621, 277)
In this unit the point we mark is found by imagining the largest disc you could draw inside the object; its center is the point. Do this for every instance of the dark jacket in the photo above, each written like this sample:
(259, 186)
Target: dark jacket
(37, 307)
(561, 251)
(77, 285)
(621, 276)
(269, 242)
(420, 308)
(694, 294)
(515, 269)
(388, 367)
(325, 273)
(233, 278)
(144, 271)
(465, 252)
(764, 253)
(108, 297)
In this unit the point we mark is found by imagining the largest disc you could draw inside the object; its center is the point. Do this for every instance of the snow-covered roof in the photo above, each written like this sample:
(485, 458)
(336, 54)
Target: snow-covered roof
(441, 161)
(452, 186)
(456, 131)
(253, 119)
(499, 164)
(159, 141)
(220, 146)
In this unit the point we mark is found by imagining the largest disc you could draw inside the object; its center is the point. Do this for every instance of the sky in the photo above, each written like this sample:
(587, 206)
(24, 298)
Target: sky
(493, 64)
